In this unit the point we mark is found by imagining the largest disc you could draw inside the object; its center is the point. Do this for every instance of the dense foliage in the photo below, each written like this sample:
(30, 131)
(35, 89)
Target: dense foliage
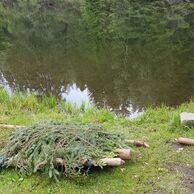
(138, 22)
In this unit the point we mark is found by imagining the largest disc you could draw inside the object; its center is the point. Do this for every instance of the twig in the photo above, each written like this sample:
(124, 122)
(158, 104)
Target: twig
(138, 143)
(5, 126)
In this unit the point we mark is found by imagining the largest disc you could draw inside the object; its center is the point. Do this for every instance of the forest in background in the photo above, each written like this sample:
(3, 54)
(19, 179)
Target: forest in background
(131, 22)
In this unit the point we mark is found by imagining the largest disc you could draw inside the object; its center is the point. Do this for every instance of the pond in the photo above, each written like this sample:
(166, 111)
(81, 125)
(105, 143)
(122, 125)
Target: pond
(126, 77)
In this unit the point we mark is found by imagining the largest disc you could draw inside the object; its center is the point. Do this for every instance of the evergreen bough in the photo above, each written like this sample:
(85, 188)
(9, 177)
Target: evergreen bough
(40, 146)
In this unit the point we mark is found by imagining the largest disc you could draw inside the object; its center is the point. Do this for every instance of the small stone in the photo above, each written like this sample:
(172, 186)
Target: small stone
(187, 118)
(180, 149)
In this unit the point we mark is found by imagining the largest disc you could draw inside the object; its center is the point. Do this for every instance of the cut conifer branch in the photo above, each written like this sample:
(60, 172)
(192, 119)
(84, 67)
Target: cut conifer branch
(65, 149)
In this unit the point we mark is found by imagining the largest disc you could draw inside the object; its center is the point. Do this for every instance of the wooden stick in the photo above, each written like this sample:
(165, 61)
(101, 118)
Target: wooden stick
(105, 161)
(113, 161)
(138, 143)
(5, 126)
(185, 141)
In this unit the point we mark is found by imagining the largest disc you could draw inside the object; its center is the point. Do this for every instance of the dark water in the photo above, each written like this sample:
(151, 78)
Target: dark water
(126, 63)
(127, 80)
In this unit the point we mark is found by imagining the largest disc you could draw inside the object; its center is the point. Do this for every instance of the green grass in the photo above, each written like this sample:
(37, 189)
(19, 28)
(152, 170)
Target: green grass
(148, 171)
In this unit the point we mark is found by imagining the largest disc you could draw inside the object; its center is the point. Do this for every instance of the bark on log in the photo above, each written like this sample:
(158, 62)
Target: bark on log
(113, 161)
(185, 141)
(124, 154)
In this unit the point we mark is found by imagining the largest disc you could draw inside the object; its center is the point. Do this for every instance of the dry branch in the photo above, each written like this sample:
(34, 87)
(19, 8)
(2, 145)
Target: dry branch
(138, 143)
(5, 126)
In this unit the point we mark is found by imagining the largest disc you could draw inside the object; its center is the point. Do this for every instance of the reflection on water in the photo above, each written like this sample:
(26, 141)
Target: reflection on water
(123, 55)
(134, 113)
(72, 94)
(4, 83)
(125, 81)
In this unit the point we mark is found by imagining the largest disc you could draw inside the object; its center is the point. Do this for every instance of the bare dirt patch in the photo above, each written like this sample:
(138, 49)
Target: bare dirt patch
(187, 176)
(185, 171)
(179, 147)
(176, 146)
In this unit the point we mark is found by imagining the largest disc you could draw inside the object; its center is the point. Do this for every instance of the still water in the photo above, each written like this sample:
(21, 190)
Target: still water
(124, 80)
(127, 61)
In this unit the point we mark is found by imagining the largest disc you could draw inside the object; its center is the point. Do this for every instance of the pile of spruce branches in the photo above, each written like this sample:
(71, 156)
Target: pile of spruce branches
(57, 148)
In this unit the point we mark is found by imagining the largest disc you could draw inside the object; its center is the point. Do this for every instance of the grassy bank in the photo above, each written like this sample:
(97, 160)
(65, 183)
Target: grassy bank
(159, 169)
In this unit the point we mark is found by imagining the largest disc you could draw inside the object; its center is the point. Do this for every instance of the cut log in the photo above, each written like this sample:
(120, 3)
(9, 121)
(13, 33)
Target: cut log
(4, 126)
(124, 154)
(185, 141)
(138, 143)
(113, 161)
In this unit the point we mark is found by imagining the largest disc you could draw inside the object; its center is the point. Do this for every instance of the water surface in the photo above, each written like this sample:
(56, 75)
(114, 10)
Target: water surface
(138, 64)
